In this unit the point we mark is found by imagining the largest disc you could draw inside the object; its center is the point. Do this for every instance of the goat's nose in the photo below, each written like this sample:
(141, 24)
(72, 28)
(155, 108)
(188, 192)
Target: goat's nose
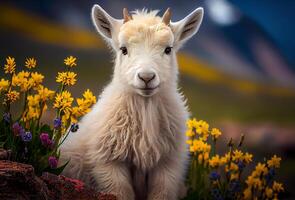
(146, 76)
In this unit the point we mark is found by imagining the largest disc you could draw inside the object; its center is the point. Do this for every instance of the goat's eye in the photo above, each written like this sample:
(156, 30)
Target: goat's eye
(168, 50)
(124, 50)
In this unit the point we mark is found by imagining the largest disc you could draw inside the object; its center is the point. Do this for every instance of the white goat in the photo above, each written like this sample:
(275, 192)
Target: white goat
(132, 143)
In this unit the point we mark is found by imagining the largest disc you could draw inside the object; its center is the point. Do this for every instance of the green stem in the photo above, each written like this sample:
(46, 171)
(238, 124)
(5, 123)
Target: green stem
(41, 112)
(64, 138)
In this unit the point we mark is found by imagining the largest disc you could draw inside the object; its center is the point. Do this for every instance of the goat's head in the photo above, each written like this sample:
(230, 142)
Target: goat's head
(145, 46)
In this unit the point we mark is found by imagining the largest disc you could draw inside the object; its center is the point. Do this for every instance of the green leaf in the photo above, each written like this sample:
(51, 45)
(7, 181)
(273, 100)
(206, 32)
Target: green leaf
(58, 170)
(46, 129)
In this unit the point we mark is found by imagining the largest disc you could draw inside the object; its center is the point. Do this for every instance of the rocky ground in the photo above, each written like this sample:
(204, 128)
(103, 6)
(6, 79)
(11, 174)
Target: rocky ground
(18, 181)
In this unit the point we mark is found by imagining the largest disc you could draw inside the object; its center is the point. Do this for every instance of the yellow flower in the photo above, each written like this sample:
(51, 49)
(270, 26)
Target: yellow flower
(36, 79)
(261, 169)
(84, 105)
(189, 133)
(70, 61)
(33, 100)
(21, 80)
(234, 176)
(192, 149)
(11, 96)
(66, 78)
(247, 158)
(277, 187)
(225, 158)
(23, 74)
(9, 67)
(33, 110)
(274, 162)
(202, 127)
(268, 192)
(237, 155)
(189, 142)
(63, 101)
(30, 63)
(215, 133)
(191, 123)
(247, 193)
(31, 113)
(232, 167)
(201, 146)
(4, 84)
(214, 161)
(89, 97)
(254, 182)
(45, 93)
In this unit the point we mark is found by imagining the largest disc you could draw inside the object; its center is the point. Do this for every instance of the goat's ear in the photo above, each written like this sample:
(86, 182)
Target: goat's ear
(106, 25)
(187, 27)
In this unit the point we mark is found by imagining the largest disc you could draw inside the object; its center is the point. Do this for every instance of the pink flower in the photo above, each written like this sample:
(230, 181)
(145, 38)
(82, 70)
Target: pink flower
(46, 141)
(52, 161)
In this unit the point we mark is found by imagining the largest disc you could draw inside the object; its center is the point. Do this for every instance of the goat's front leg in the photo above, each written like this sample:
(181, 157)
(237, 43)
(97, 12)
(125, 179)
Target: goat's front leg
(166, 179)
(114, 178)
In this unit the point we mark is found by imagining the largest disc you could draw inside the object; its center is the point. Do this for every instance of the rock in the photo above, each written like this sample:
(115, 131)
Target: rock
(5, 154)
(61, 187)
(18, 181)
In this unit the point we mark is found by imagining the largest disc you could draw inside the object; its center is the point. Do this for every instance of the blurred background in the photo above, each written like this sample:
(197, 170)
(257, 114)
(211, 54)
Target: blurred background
(238, 72)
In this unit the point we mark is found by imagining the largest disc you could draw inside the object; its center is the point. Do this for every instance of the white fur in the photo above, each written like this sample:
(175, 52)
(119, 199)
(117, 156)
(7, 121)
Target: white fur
(132, 143)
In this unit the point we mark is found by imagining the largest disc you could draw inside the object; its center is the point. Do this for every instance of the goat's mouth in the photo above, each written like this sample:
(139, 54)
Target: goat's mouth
(147, 91)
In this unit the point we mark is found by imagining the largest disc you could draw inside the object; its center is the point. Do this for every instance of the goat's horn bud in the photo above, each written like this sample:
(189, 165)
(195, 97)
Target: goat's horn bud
(167, 17)
(126, 16)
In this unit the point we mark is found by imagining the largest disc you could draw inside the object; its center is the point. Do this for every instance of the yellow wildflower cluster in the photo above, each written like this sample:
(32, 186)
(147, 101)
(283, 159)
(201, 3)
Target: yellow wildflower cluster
(36, 104)
(259, 180)
(63, 100)
(231, 162)
(37, 79)
(36, 95)
(225, 172)
(45, 94)
(21, 80)
(31, 140)
(26, 80)
(66, 78)
(197, 133)
(33, 109)
(9, 67)
(83, 105)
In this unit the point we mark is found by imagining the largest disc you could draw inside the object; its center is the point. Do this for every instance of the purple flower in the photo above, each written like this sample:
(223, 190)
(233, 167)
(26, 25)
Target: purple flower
(7, 117)
(214, 176)
(45, 140)
(26, 136)
(52, 161)
(17, 129)
(57, 123)
(241, 165)
(74, 127)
